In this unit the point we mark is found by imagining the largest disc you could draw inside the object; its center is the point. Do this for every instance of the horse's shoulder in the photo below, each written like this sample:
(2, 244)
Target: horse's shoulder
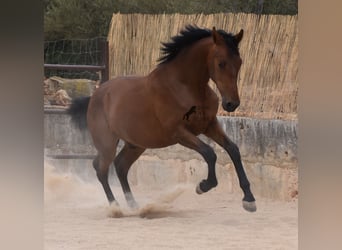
(211, 95)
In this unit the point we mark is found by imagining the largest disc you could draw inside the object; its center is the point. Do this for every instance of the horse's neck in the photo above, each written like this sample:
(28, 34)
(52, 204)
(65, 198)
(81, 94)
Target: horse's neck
(193, 64)
(189, 68)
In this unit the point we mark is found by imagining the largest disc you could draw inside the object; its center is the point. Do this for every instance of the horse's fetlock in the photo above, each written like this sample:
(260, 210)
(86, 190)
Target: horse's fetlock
(214, 183)
(206, 185)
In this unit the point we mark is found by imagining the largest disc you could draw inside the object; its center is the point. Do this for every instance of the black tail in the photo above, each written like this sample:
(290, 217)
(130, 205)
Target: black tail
(78, 111)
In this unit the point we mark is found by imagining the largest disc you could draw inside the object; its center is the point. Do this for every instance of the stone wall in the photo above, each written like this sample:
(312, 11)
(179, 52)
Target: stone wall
(268, 150)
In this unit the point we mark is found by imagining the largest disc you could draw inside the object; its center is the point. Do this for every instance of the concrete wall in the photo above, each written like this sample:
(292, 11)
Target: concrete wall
(268, 150)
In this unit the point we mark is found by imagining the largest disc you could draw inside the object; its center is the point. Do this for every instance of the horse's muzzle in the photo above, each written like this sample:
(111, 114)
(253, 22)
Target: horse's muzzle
(230, 106)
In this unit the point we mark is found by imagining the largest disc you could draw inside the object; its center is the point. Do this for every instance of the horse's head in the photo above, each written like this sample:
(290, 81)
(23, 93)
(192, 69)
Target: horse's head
(224, 64)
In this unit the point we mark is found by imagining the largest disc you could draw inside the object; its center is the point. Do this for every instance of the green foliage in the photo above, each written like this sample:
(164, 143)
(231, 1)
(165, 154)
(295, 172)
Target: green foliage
(281, 7)
(69, 19)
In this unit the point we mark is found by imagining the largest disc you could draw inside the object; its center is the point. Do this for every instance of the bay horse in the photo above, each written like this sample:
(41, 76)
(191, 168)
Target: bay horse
(150, 111)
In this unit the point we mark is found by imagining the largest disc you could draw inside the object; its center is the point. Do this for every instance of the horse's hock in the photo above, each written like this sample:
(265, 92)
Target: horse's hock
(268, 150)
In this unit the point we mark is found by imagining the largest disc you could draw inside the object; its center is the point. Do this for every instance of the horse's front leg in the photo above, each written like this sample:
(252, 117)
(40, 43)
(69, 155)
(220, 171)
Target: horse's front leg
(216, 133)
(189, 140)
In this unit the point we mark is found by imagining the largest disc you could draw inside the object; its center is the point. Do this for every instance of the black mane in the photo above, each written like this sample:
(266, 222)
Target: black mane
(190, 35)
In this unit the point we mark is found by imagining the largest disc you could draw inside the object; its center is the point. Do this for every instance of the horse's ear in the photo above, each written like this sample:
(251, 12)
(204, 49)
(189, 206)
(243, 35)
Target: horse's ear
(239, 36)
(217, 37)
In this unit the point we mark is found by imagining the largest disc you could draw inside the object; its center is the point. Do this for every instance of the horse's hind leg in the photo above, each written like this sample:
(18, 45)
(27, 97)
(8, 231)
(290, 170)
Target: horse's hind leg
(105, 141)
(102, 163)
(127, 156)
(101, 166)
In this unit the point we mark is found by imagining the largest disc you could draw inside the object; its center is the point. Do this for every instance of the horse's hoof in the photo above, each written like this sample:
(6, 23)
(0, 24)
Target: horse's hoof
(114, 210)
(250, 206)
(133, 205)
(199, 190)
(114, 203)
(204, 186)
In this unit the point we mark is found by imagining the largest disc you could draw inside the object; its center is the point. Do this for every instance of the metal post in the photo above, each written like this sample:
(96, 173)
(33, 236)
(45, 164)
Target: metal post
(105, 62)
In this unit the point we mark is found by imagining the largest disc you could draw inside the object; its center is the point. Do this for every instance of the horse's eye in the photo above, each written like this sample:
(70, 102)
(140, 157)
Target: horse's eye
(222, 65)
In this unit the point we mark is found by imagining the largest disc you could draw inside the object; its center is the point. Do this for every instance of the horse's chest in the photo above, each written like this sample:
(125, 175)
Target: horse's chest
(197, 118)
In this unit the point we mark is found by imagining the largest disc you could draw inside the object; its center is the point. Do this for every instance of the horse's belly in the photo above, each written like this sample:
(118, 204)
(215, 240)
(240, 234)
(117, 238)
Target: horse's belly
(146, 137)
(140, 128)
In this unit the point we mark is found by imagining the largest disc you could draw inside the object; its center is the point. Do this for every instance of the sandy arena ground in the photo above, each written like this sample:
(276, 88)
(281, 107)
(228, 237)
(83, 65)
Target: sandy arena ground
(77, 216)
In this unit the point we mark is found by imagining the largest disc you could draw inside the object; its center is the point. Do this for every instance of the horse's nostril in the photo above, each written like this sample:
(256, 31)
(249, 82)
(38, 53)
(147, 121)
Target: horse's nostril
(230, 106)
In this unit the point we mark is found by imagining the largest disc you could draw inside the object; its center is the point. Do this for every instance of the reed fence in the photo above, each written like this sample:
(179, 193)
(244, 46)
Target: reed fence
(268, 80)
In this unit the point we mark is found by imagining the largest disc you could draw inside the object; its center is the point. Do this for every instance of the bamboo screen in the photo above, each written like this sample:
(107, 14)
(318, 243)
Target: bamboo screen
(268, 79)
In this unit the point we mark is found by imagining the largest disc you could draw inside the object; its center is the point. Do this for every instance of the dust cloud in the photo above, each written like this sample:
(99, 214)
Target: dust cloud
(159, 207)
(67, 188)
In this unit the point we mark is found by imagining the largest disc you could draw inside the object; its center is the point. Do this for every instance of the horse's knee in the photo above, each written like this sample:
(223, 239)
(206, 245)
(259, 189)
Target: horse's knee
(208, 154)
(233, 150)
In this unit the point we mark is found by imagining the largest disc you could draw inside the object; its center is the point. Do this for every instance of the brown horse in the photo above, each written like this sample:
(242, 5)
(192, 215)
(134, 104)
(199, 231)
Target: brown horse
(173, 104)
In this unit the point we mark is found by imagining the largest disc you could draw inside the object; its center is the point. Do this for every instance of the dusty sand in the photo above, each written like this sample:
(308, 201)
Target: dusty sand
(77, 216)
